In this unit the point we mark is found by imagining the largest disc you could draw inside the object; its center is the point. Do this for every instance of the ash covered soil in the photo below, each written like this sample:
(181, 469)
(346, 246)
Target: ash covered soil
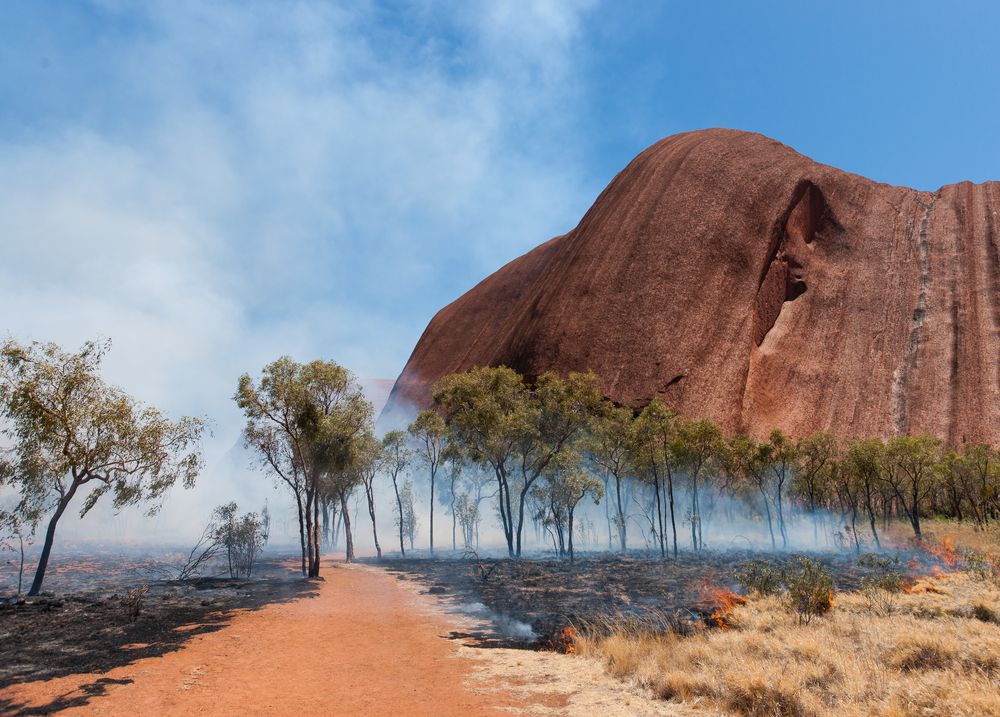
(81, 623)
(528, 602)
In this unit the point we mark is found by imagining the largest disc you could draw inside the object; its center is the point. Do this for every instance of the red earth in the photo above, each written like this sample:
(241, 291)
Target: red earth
(365, 644)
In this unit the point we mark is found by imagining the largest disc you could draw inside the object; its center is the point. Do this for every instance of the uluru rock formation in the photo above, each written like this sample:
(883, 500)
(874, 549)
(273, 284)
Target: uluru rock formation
(739, 280)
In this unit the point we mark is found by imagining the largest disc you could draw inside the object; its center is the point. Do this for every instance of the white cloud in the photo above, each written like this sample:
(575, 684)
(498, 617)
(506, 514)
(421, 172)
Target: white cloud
(267, 178)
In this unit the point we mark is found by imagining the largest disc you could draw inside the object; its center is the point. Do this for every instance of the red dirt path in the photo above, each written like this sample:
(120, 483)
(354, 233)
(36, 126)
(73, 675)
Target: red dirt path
(364, 645)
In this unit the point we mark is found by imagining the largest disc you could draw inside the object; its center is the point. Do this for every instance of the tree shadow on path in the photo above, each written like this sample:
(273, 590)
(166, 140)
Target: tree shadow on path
(82, 634)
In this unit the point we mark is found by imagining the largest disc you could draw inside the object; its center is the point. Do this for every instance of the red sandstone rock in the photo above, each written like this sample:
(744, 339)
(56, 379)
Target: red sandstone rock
(737, 279)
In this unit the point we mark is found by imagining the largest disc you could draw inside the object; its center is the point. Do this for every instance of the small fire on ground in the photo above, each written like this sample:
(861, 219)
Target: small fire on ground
(720, 603)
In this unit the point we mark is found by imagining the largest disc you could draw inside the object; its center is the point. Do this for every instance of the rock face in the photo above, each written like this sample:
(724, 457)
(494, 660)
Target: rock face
(739, 280)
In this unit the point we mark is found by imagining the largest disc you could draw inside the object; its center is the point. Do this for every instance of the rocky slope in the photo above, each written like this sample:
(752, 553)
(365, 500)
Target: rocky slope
(737, 279)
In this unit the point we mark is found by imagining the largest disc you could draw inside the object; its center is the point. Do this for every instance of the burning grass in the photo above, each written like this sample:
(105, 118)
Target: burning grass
(936, 653)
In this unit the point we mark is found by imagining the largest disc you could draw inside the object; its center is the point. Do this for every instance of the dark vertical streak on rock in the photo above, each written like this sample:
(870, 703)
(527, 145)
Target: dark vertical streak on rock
(993, 270)
(901, 377)
(954, 375)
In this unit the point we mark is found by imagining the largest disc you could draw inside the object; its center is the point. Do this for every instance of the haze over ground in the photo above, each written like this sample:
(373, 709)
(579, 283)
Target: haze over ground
(214, 186)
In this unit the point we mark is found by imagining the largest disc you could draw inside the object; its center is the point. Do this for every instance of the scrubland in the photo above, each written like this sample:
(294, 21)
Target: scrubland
(932, 648)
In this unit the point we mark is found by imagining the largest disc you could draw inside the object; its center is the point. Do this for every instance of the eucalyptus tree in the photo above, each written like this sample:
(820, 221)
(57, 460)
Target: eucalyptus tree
(865, 464)
(652, 446)
(782, 457)
(563, 410)
(368, 463)
(977, 473)
(430, 433)
(610, 445)
(303, 420)
(747, 460)
(697, 444)
(912, 463)
(396, 458)
(813, 455)
(453, 460)
(70, 430)
(569, 484)
(846, 485)
(18, 524)
(516, 429)
(487, 410)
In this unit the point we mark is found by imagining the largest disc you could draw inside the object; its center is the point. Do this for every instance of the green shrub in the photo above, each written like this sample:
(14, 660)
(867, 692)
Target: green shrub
(808, 588)
(759, 577)
(883, 582)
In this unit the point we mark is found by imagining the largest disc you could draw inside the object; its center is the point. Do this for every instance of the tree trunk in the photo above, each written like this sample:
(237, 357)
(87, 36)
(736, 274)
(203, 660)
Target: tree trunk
(622, 537)
(302, 532)
(309, 532)
(370, 494)
(781, 519)
(348, 537)
(607, 512)
(695, 518)
(570, 520)
(659, 514)
(20, 572)
(520, 514)
(50, 535)
(433, 471)
(506, 517)
(871, 521)
(316, 545)
(854, 528)
(399, 506)
(767, 510)
(454, 519)
(310, 498)
(673, 520)
(338, 522)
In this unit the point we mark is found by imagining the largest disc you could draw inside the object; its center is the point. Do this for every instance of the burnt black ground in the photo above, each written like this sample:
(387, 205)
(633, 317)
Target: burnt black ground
(548, 594)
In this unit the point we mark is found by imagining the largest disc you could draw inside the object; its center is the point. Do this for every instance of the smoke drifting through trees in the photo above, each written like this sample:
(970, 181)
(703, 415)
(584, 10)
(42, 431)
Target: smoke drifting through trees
(527, 457)
(538, 439)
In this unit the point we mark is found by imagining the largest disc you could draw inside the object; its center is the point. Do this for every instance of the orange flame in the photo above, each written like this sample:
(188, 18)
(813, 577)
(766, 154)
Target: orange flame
(944, 551)
(568, 639)
(722, 602)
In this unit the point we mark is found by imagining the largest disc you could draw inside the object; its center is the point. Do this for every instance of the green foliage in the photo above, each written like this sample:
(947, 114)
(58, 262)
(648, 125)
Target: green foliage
(69, 429)
(515, 429)
(882, 583)
(759, 577)
(241, 537)
(305, 422)
(808, 588)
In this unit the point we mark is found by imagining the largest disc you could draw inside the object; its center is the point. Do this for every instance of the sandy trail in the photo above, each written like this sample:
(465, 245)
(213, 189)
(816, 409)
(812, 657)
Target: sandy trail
(366, 643)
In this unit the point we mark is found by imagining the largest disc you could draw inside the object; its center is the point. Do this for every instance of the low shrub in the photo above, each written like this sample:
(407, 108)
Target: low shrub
(808, 588)
(983, 612)
(919, 654)
(883, 583)
(133, 602)
(758, 577)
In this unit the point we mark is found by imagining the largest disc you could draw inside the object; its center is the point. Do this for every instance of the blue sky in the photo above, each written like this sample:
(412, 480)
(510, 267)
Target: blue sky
(214, 184)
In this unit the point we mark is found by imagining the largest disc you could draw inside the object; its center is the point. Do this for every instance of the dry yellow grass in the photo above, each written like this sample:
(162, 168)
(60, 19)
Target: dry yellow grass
(937, 653)
(964, 535)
